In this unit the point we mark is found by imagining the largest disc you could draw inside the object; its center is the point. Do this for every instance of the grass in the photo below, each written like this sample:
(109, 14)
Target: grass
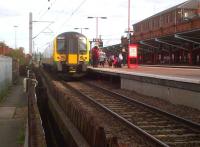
(4, 92)
(21, 137)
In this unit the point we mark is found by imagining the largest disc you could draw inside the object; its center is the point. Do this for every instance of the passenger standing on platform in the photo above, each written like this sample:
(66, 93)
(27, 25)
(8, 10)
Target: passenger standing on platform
(197, 59)
(124, 56)
(120, 59)
(111, 60)
(102, 58)
(90, 58)
(95, 56)
(116, 61)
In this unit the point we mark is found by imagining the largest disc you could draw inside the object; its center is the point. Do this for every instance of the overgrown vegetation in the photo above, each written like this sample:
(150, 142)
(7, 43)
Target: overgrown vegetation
(4, 91)
(18, 54)
(21, 137)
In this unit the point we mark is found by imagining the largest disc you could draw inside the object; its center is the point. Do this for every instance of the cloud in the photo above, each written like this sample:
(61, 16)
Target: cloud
(4, 12)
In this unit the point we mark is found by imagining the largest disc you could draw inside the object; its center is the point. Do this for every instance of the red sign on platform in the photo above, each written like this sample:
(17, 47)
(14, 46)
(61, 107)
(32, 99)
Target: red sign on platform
(133, 50)
(132, 55)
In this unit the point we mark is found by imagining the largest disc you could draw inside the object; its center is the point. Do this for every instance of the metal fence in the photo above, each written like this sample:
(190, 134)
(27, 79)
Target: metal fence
(5, 73)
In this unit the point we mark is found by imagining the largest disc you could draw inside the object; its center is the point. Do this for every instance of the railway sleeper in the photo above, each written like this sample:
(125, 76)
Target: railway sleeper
(153, 122)
(168, 131)
(143, 118)
(174, 137)
(161, 127)
(182, 143)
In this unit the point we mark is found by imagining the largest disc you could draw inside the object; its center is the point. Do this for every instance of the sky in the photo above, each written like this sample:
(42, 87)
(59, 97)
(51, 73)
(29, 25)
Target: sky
(59, 16)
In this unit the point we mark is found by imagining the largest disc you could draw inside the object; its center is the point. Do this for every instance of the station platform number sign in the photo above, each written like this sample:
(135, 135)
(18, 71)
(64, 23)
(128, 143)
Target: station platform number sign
(132, 55)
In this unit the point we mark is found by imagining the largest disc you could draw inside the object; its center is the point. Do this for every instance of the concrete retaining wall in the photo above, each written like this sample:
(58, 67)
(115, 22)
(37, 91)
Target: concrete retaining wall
(174, 95)
(177, 90)
(5, 73)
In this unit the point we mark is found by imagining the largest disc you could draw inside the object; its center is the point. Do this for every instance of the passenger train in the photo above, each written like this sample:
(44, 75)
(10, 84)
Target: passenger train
(68, 53)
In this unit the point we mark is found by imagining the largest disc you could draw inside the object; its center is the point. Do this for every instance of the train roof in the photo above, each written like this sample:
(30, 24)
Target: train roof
(70, 34)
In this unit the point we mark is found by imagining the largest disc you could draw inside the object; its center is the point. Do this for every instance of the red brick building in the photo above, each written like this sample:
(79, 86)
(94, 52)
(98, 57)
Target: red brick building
(4, 49)
(169, 37)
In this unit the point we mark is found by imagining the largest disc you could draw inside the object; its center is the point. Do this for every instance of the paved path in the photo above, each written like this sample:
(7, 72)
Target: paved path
(13, 115)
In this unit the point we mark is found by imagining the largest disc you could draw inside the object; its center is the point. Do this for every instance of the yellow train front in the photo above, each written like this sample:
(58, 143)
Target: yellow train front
(69, 53)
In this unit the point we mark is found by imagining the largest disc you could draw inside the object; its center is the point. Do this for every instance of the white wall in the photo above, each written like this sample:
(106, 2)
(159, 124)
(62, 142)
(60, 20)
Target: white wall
(5, 72)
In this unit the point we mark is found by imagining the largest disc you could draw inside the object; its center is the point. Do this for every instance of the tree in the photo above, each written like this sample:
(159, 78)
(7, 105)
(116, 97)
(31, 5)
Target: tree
(18, 54)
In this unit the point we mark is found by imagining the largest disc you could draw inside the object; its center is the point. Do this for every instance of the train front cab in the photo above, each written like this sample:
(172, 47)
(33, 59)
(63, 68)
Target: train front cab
(74, 58)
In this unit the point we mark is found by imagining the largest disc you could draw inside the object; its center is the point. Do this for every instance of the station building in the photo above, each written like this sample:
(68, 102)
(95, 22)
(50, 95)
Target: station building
(169, 37)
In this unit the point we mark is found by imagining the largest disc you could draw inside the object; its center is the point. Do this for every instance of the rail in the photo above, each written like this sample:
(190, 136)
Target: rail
(169, 121)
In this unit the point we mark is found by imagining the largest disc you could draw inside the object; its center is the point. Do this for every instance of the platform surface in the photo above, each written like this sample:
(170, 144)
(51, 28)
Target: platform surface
(176, 74)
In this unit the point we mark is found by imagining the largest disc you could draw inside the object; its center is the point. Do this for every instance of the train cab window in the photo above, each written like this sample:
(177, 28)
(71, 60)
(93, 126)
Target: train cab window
(73, 46)
(61, 45)
(82, 45)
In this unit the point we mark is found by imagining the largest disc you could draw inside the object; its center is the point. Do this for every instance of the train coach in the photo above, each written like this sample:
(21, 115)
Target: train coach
(68, 53)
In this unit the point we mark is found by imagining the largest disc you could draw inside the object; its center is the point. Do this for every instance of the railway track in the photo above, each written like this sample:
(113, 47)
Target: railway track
(162, 128)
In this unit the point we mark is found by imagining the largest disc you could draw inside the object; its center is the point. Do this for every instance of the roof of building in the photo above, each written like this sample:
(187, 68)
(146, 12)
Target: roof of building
(187, 4)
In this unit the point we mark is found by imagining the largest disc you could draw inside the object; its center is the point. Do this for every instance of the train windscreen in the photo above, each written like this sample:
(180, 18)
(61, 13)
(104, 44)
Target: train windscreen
(61, 45)
(73, 46)
(82, 45)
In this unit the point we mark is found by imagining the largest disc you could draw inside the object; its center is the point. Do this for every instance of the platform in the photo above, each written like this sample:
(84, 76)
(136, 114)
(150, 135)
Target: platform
(191, 75)
(177, 85)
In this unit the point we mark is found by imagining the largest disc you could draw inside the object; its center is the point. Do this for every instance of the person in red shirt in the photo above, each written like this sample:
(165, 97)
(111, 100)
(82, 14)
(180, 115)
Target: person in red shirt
(95, 56)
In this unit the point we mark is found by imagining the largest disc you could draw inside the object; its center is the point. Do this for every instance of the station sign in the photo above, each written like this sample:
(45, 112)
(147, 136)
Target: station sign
(132, 55)
(133, 50)
(97, 42)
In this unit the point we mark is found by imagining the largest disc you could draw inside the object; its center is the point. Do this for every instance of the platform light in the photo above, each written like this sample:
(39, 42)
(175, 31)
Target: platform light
(97, 22)
(81, 29)
(15, 36)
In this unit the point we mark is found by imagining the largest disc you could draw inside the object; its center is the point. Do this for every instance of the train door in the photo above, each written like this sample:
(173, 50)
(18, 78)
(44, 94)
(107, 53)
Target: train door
(72, 51)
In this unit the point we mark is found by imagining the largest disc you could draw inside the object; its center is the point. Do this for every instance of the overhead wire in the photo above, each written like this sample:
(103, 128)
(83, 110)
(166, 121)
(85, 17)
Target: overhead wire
(73, 12)
(42, 30)
(47, 10)
(71, 15)
(50, 23)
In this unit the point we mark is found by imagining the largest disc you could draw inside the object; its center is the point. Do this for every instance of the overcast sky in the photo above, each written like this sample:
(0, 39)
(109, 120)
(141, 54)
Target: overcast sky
(69, 14)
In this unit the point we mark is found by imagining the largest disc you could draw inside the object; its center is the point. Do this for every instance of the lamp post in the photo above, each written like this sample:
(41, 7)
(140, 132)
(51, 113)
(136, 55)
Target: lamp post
(97, 23)
(129, 15)
(15, 27)
(81, 29)
(129, 21)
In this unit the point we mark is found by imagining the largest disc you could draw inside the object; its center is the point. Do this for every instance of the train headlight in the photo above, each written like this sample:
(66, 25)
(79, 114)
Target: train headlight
(81, 58)
(62, 58)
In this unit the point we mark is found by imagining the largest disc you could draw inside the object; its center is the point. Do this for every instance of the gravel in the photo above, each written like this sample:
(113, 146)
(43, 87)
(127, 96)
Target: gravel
(179, 110)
